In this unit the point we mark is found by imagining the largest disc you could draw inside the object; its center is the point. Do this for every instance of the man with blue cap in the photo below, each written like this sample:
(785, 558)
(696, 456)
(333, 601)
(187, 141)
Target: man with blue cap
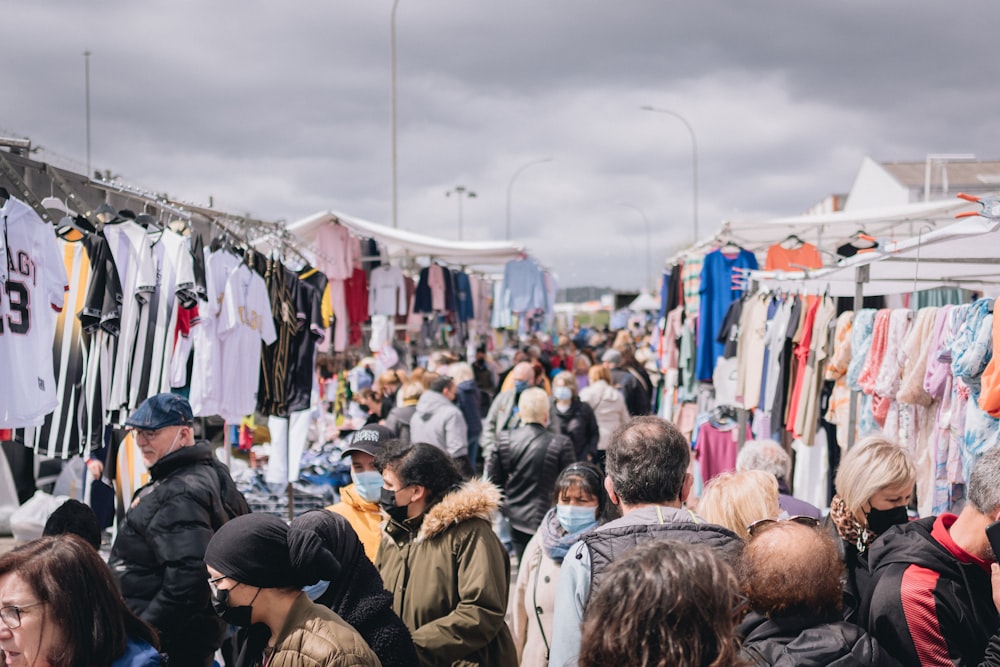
(158, 557)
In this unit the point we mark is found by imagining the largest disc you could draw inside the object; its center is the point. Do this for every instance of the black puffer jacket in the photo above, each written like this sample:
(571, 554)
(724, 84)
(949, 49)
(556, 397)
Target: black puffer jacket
(809, 641)
(525, 467)
(159, 555)
(578, 424)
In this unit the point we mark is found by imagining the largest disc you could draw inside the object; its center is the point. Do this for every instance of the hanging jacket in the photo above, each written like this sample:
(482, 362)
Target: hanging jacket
(450, 578)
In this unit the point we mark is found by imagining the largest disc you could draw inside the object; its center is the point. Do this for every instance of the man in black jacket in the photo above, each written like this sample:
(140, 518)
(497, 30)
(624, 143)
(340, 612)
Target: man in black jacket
(791, 575)
(931, 598)
(158, 557)
(525, 464)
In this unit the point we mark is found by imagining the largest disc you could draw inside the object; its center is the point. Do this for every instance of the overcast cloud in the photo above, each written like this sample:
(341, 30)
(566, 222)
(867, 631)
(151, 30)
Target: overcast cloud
(282, 109)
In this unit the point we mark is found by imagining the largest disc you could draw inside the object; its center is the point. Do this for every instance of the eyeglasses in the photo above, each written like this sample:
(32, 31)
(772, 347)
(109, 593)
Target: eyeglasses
(11, 614)
(212, 583)
(146, 434)
(757, 527)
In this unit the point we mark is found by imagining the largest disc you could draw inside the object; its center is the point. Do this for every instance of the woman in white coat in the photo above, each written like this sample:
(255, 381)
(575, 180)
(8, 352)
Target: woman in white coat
(608, 405)
(581, 504)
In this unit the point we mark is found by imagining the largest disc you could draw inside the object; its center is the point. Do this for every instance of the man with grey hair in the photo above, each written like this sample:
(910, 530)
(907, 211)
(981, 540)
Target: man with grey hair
(769, 456)
(935, 586)
(503, 413)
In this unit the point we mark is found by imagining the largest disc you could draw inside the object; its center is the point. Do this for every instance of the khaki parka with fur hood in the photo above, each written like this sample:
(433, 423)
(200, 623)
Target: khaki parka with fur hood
(450, 579)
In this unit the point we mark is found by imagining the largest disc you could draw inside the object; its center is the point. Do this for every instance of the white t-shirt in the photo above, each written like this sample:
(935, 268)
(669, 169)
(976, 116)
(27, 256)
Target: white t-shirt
(386, 291)
(33, 284)
(245, 321)
(206, 376)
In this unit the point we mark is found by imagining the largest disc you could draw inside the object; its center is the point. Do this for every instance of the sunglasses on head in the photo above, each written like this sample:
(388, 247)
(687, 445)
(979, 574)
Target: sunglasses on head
(757, 527)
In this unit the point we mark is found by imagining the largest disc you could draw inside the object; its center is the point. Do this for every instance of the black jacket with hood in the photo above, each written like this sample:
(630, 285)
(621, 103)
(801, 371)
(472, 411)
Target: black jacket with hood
(924, 605)
(803, 640)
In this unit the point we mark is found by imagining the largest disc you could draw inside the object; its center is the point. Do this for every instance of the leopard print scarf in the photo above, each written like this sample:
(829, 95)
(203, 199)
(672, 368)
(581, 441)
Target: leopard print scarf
(848, 527)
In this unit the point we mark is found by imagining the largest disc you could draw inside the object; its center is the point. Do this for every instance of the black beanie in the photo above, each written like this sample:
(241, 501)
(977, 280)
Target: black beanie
(253, 549)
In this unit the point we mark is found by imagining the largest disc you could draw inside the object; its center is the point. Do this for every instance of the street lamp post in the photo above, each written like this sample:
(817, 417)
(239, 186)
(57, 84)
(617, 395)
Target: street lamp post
(510, 187)
(649, 242)
(86, 84)
(460, 191)
(392, 49)
(694, 160)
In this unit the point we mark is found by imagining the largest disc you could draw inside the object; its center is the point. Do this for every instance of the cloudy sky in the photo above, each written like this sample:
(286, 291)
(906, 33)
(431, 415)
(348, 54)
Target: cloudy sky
(282, 109)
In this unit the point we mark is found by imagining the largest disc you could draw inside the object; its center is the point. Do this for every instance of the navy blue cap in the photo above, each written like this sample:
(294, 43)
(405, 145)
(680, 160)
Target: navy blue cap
(161, 410)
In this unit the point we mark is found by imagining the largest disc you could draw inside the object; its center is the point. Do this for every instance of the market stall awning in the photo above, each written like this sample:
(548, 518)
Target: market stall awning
(962, 254)
(826, 230)
(400, 242)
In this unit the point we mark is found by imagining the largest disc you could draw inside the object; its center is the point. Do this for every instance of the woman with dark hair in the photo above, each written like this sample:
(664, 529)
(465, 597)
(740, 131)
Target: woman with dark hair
(664, 604)
(60, 607)
(580, 505)
(448, 571)
(349, 585)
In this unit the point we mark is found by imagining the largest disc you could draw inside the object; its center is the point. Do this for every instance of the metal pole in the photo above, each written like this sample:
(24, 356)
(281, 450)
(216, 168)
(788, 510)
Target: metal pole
(392, 39)
(510, 187)
(86, 78)
(460, 190)
(694, 161)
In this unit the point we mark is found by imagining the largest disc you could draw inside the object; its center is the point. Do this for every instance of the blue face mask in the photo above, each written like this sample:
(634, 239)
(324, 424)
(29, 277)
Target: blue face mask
(368, 485)
(575, 519)
(562, 393)
(316, 590)
(520, 385)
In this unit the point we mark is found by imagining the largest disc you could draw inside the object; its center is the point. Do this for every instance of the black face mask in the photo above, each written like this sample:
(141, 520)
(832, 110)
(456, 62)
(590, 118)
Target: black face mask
(879, 521)
(388, 503)
(238, 616)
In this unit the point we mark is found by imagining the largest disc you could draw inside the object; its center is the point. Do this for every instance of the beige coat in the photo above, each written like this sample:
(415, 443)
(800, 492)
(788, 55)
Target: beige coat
(532, 604)
(609, 409)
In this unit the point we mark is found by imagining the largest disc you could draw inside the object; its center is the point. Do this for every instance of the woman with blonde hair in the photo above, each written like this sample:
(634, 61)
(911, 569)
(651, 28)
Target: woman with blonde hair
(735, 500)
(874, 485)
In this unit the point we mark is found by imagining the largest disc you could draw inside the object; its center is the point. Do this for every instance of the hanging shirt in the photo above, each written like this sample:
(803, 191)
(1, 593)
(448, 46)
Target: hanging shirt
(386, 291)
(715, 296)
(245, 321)
(524, 285)
(207, 375)
(33, 283)
(464, 307)
(780, 258)
(337, 251)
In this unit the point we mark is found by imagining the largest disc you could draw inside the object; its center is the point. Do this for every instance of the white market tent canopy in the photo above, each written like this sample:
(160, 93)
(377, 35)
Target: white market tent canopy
(826, 229)
(402, 243)
(643, 302)
(963, 254)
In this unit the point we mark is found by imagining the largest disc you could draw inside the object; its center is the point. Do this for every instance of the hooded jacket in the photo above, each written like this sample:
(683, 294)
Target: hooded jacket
(450, 578)
(808, 641)
(499, 417)
(578, 424)
(158, 557)
(609, 409)
(923, 604)
(439, 422)
(365, 518)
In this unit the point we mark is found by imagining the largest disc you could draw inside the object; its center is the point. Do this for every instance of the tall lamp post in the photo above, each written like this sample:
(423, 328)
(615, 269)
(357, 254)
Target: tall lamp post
(86, 84)
(510, 186)
(694, 160)
(460, 191)
(649, 242)
(392, 50)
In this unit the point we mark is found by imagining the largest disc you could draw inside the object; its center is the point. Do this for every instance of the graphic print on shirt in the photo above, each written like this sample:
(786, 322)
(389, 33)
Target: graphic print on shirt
(34, 281)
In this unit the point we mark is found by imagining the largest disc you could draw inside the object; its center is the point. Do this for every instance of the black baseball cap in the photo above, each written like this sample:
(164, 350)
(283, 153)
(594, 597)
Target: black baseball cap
(369, 439)
(161, 410)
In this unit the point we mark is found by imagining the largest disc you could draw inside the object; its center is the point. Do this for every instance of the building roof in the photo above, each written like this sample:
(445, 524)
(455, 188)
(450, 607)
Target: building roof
(948, 177)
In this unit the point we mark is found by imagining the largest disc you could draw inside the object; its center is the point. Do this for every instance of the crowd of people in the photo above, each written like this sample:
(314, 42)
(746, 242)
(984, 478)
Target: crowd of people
(537, 516)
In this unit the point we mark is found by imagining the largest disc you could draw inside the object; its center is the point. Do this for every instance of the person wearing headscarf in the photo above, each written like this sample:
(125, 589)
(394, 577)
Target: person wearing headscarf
(256, 587)
(349, 584)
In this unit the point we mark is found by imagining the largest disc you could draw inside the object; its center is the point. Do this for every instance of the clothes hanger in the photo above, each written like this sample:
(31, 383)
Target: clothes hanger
(792, 242)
